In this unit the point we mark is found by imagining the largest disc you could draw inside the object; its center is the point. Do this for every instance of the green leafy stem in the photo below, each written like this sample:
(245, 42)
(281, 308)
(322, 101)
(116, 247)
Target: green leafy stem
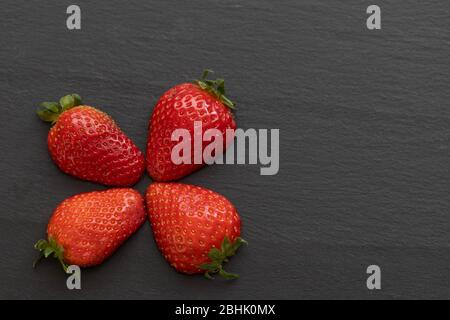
(215, 87)
(50, 111)
(220, 256)
(48, 248)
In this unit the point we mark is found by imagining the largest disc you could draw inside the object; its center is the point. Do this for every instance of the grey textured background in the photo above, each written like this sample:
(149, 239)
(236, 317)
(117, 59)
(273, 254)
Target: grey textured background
(365, 132)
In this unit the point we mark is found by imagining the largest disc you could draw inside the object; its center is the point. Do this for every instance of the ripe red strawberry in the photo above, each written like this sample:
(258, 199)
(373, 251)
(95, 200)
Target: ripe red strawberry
(203, 101)
(196, 229)
(89, 227)
(86, 143)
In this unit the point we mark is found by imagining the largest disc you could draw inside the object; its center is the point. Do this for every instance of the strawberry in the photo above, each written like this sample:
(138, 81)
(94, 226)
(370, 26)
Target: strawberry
(87, 228)
(86, 143)
(203, 101)
(196, 229)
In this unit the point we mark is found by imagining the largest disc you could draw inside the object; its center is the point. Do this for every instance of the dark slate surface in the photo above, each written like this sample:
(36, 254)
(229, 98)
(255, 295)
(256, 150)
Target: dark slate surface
(365, 131)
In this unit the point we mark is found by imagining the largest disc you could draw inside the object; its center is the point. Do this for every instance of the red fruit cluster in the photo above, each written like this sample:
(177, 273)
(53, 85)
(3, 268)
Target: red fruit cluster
(197, 230)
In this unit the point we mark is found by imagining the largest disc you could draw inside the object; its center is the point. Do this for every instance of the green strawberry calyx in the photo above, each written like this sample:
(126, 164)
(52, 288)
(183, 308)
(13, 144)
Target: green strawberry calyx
(220, 256)
(50, 248)
(214, 87)
(50, 111)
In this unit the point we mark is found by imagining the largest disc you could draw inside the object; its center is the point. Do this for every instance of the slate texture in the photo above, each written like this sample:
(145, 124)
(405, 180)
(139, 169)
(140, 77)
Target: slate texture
(364, 121)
